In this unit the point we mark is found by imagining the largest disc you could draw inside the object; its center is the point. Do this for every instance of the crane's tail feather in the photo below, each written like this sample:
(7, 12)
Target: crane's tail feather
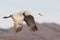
(33, 28)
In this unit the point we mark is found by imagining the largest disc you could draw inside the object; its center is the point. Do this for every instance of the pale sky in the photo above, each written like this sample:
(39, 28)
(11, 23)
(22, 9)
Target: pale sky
(49, 8)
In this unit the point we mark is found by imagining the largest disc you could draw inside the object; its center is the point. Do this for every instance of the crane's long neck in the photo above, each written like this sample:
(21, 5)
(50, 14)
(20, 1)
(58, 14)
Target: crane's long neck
(7, 16)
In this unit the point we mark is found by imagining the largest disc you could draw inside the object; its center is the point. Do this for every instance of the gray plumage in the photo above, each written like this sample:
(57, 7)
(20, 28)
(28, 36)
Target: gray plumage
(29, 19)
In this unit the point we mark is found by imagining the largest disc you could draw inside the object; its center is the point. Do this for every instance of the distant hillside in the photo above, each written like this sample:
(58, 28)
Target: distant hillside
(3, 30)
(46, 31)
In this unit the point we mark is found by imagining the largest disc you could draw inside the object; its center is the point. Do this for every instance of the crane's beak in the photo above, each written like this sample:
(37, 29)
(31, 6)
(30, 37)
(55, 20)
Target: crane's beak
(40, 14)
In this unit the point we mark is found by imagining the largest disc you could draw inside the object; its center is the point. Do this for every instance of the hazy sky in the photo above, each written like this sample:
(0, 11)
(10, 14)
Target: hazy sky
(49, 8)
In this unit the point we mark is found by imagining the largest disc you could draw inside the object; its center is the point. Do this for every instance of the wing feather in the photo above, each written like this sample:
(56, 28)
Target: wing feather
(30, 22)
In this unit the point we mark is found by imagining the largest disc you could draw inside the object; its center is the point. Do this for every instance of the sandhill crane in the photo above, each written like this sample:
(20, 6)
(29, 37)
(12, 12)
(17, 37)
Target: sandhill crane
(26, 16)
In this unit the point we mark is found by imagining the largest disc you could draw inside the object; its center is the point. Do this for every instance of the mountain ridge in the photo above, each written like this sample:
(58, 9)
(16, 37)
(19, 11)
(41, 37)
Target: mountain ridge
(46, 31)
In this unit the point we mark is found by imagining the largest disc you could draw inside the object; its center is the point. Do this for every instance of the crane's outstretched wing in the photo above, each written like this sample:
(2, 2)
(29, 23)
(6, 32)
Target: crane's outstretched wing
(30, 22)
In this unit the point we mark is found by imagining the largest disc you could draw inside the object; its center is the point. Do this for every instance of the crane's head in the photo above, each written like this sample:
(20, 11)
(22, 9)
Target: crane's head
(40, 14)
(37, 14)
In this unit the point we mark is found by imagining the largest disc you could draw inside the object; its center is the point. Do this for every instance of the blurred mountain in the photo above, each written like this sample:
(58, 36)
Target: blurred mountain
(46, 31)
(3, 30)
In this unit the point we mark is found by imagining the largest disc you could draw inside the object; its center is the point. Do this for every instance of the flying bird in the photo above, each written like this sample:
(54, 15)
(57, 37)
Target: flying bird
(26, 16)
